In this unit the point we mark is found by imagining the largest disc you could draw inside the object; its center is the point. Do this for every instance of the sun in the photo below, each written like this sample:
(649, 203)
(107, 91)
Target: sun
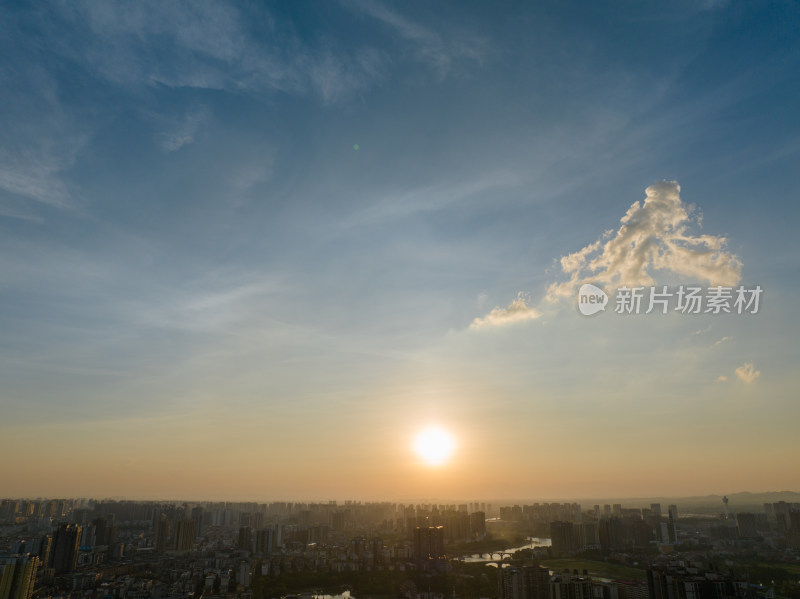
(434, 446)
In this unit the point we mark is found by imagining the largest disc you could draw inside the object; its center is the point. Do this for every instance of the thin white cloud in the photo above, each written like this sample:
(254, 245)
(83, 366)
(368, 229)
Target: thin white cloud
(653, 236)
(747, 373)
(209, 308)
(7, 212)
(211, 46)
(35, 170)
(517, 311)
(723, 340)
(250, 174)
(430, 46)
(39, 142)
(722, 379)
(394, 206)
(335, 76)
(183, 132)
(36, 181)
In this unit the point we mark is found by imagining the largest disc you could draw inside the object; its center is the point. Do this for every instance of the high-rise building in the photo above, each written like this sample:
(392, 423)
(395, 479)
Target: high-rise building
(562, 535)
(18, 576)
(264, 541)
(571, 586)
(88, 536)
(8, 567)
(793, 537)
(162, 534)
(184, 535)
(477, 524)
(42, 547)
(197, 516)
(245, 538)
(527, 582)
(66, 541)
(588, 535)
(429, 547)
(782, 511)
(747, 525)
(677, 581)
(243, 575)
(104, 531)
(673, 524)
(612, 533)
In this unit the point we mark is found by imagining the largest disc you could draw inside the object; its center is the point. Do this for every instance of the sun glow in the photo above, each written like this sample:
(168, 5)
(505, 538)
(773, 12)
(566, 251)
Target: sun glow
(434, 446)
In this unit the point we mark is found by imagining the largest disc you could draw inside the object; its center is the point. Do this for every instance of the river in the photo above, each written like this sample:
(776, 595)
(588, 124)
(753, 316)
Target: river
(533, 542)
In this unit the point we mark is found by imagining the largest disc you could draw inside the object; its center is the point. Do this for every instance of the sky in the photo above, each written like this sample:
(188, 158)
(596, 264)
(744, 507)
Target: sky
(249, 250)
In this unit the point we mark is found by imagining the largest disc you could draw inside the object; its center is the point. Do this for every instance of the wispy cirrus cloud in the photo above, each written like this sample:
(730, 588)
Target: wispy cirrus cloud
(432, 47)
(9, 212)
(211, 46)
(34, 175)
(209, 308)
(517, 311)
(39, 142)
(430, 198)
(177, 134)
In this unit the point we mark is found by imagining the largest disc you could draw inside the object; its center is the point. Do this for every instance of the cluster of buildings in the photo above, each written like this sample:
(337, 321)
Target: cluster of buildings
(89, 549)
(614, 529)
(55, 547)
(532, 581)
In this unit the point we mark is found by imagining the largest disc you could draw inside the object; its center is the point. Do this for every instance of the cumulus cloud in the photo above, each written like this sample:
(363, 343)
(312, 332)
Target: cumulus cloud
(747, 373)
(517, 311)
(722, 378)
(653, 236)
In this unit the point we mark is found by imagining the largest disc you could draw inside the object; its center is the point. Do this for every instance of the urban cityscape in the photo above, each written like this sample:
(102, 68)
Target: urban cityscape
(117, 549)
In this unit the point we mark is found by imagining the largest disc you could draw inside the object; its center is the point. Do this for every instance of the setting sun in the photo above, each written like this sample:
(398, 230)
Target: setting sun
(434, 446)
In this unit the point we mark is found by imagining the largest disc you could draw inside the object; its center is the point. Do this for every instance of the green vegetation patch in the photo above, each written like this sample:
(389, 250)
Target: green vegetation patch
(596, 568)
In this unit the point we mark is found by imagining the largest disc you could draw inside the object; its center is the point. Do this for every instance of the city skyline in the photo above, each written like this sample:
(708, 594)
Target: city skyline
(283, 549)
(254, 248)
(744, 501)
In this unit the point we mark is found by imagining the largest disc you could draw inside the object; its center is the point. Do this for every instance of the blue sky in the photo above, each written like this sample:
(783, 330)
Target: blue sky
(229, 229)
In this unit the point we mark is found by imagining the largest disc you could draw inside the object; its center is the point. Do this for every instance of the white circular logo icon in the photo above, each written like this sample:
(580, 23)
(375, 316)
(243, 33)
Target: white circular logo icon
(591, 299)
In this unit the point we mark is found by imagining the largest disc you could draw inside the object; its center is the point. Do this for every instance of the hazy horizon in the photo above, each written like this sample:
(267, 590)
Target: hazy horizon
(710, 500)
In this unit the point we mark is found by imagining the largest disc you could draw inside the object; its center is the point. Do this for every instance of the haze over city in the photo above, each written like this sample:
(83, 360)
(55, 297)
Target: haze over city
(312, 251)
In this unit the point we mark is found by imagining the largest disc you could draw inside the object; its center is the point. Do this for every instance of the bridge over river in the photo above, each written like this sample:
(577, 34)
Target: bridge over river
(499, 556)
